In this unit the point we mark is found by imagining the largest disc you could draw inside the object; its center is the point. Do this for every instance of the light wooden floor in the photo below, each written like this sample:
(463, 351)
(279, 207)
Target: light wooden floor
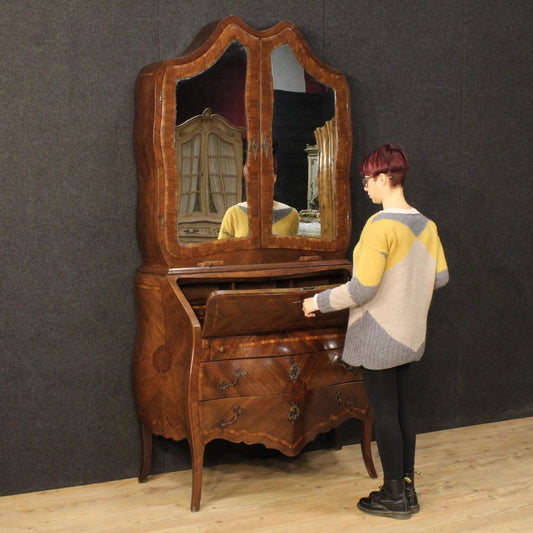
(475, 478)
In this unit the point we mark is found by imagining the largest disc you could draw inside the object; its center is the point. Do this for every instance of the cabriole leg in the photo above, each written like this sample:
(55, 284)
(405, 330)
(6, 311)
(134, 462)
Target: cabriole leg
(197, 456)
(146, 453)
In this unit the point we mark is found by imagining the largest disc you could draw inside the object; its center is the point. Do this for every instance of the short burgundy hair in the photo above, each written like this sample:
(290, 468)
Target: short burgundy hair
(390, 159)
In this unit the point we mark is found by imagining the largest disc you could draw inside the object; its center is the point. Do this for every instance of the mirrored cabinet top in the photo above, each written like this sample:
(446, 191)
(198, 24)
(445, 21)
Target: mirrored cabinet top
(243, 150)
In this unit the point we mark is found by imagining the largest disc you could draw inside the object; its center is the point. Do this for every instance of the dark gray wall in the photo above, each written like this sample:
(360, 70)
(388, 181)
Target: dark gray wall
(449, 80)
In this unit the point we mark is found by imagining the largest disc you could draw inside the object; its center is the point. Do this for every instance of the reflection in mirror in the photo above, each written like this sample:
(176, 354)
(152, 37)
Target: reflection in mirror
(302, 108)
(285, 220)
(210, 140)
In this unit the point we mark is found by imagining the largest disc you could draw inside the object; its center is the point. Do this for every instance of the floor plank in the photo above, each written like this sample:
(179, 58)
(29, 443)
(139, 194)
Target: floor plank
(474, 479)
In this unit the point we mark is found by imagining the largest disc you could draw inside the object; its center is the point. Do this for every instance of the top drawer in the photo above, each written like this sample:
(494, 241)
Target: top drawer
(288, 343)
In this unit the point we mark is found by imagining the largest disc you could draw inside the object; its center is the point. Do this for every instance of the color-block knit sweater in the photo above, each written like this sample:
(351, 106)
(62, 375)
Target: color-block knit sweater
(398, 263)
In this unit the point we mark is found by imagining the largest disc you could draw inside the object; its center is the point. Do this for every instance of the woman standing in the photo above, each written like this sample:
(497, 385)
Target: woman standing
(397, 264)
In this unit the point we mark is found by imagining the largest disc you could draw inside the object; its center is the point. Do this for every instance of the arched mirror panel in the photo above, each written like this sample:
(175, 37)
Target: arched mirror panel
(210, 142)
(306, 105)
(303, 106)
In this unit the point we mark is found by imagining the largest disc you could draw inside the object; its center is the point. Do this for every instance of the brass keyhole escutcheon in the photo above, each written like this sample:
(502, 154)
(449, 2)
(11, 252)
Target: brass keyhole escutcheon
(294, 371)
(294, 413)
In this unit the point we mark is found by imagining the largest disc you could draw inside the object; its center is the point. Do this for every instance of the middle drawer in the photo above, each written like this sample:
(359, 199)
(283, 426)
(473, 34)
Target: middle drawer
(272, 375)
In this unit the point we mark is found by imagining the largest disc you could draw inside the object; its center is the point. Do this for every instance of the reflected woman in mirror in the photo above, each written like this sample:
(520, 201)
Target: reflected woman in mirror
(285, 219)
(397, 264)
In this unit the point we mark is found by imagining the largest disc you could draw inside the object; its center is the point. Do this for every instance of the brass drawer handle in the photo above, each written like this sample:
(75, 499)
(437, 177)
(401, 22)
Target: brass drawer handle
(340, 400)
(294, 413)
(294, 371)
(237, 411)
(223, 387)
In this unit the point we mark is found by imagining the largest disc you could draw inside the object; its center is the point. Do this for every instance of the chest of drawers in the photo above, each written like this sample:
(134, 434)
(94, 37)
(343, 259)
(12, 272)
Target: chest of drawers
(234, 358)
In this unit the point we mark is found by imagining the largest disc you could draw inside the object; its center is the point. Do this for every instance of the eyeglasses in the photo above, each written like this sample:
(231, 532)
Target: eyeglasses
(365, 180)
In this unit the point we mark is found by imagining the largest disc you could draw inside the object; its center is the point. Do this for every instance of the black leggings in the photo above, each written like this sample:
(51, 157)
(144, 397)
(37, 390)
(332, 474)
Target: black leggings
(393, 423)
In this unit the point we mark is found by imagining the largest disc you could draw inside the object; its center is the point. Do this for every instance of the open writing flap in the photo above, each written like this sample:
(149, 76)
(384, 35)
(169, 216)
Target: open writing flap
(246, 312)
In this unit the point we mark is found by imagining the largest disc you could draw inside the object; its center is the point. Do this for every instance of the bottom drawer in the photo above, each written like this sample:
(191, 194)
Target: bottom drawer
(285, 422)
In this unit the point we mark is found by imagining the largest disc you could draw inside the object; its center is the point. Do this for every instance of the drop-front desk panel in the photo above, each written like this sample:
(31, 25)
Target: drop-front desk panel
(228, 354)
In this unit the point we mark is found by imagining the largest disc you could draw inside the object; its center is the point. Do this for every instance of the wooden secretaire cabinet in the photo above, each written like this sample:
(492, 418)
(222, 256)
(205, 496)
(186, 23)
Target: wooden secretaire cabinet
(223, 350)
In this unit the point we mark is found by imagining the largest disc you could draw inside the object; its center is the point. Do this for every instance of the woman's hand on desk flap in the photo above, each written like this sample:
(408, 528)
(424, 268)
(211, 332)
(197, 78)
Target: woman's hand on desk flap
(310, 307)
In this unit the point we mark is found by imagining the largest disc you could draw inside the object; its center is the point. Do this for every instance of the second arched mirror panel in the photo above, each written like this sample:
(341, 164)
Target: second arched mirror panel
(302, 107)
(306, 116)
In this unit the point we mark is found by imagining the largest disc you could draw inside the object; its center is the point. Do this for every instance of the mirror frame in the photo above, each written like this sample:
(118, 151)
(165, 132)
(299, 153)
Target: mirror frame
(287, 33)
(155, 112)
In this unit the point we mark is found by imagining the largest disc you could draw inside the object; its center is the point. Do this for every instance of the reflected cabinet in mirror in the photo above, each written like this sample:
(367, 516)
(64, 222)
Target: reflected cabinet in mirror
(243, 150)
